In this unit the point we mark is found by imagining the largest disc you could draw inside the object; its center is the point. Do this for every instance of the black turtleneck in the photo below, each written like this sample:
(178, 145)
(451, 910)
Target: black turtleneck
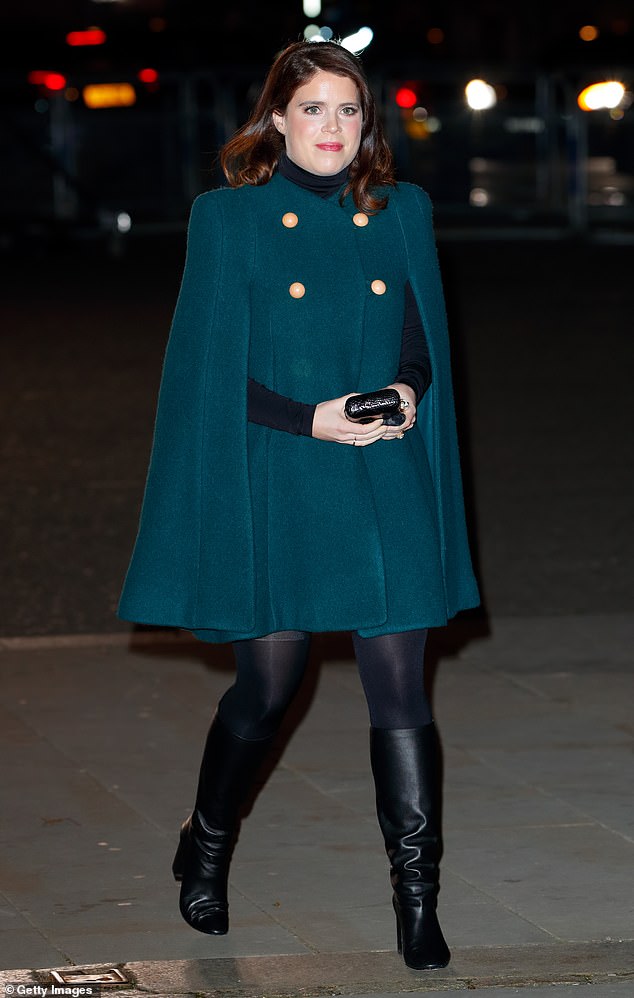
(324, 186)
(267, 407)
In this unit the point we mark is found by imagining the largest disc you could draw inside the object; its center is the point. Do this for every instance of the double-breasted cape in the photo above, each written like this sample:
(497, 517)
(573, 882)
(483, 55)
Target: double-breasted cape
(245, 529)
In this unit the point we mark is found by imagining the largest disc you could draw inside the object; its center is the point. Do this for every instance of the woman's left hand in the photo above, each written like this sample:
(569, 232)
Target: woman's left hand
(407, 394)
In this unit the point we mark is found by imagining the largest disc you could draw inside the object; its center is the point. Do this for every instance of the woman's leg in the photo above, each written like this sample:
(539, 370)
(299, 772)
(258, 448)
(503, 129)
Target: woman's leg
(391, 667)
(269, 671)
(404, 755)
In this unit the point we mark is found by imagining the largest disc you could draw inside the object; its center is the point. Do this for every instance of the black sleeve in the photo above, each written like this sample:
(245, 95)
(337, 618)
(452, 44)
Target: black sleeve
(414, 367)
(268, 408)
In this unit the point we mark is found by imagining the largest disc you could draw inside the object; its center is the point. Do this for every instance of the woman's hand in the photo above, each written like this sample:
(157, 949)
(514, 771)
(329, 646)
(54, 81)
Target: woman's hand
(330, 423)
(406, 393)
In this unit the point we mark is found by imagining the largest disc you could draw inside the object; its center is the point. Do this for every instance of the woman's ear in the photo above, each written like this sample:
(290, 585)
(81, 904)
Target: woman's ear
(279, 121)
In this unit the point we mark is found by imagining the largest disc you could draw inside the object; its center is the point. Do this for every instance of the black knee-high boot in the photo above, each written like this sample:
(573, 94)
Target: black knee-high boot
(202, 859)
(405, 768)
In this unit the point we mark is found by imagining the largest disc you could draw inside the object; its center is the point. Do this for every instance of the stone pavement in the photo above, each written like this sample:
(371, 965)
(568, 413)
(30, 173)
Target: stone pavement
(100, 744)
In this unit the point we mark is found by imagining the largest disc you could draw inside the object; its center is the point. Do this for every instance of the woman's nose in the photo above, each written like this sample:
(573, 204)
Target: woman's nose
(331, 124)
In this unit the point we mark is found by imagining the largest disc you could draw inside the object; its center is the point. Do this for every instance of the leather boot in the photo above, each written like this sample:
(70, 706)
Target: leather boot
(405, 768)
(202, 859)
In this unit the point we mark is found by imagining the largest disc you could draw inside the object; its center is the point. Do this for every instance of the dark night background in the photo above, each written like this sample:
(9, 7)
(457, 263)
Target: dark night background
(534, 207)
(196, 33)
(101, 726)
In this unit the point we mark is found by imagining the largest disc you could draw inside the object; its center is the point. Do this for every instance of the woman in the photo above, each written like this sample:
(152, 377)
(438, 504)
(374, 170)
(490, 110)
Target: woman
(268, 514)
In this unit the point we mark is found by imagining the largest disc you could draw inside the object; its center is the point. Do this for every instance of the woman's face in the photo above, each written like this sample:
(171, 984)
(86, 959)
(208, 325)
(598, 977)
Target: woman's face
(322, 124)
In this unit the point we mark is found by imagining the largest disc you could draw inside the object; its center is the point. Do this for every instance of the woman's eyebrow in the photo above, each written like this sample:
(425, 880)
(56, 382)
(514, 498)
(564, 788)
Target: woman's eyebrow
(322, 103)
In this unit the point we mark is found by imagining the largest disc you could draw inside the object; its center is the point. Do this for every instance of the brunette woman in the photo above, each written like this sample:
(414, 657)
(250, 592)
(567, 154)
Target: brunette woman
(268, 513)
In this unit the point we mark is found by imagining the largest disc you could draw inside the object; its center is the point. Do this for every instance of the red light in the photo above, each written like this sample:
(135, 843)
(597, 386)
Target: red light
(406, 97)
(42, 78)
(93, 36)
(148, 75)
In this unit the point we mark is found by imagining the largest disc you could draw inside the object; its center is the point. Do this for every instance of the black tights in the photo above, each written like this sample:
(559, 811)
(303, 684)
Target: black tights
(270, 670)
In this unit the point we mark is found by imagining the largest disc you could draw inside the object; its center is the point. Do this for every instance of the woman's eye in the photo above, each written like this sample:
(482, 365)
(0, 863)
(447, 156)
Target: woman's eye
(312, 109)
(349, 111)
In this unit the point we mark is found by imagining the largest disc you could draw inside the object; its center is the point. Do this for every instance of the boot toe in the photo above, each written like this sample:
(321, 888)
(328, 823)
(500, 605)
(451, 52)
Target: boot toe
(210, 917)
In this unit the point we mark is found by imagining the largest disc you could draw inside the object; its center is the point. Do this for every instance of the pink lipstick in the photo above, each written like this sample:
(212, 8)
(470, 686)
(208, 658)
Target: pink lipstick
(330, 146)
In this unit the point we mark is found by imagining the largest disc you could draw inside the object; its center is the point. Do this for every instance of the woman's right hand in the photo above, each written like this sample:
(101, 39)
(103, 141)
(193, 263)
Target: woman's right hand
(330, 423)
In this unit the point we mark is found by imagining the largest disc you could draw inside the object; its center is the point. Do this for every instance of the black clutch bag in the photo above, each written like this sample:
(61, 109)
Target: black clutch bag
(373, 405)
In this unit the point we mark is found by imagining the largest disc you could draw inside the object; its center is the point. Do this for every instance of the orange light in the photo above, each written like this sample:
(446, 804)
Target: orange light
(589, 33)
(406, 97)
(109, 95)
(44, 78)
(435, 36)
(92, 36)
(148, 75)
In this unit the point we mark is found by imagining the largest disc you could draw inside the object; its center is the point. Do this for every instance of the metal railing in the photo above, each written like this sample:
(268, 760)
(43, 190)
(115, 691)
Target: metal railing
(533, 164)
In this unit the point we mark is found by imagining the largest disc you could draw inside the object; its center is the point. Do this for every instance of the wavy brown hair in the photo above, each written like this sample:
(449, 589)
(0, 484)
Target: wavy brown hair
(250, 157)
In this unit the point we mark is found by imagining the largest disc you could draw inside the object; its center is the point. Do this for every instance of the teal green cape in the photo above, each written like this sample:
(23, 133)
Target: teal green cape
(246, 530)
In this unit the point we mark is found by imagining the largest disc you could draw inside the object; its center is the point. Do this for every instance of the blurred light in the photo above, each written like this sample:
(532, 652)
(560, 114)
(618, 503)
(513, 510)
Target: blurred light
(44, 78)
(527, 125)
(601, 95)
(326, 34)
(157, 24)
(589, 33)
(617, 114)
(420, 114)
(358, 41)
(124, 222)
(433, 124)
(41, 106)
(406, 97)
(435, 36)
(480, 95)
(310, 31)
(478, 197)
(71, 93)
(109, 95)
(416, 129)
(92, 36)
(147, 75)
(312, 8)
(614, 197)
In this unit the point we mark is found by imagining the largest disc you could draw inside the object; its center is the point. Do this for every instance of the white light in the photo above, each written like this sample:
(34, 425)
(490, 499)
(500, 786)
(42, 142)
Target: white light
(124, 222)
(478, 197)
(312, 8)
(359, 40)
(433, 124)
(614, 197)
(480, 95)
(613, 94)
(601, 95)
(310, 31)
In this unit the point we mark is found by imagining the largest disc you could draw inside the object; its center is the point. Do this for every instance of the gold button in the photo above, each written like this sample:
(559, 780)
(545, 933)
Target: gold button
(360, 219)
(290, 220)
(379, 287)
(297, 290)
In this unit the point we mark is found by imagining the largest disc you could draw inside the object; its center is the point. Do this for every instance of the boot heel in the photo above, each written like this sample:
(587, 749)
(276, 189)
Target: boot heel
(399, 938)
(178, 866)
